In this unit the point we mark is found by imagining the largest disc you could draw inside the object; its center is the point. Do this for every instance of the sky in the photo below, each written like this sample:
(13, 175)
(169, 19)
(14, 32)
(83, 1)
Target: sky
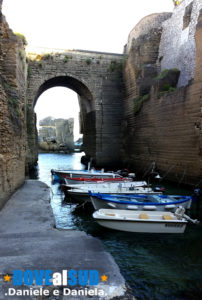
(79, 24)
(76, 24)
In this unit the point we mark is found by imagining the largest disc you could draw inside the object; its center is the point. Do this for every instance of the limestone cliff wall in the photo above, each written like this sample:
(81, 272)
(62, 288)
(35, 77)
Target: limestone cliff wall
(56, 134)
(12, 111)
(162, 123)
(178, 48)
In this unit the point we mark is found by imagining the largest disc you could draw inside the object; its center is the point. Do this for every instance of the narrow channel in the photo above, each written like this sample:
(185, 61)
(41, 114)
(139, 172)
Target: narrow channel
(155, 266)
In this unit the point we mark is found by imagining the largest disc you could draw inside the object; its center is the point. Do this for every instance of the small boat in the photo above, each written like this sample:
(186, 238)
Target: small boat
(82, 195)
(83, 175)
(106, 186)
(140, 221)
(96, 179)
(140, 201)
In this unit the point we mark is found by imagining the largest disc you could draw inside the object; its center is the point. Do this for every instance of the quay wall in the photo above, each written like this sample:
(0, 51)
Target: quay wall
(12, 111)
(162, 115)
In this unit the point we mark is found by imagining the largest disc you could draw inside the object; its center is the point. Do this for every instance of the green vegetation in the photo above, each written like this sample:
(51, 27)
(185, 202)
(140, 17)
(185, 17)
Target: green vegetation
(67, 58)
(124, 60)
(13, 101)
(112, 66)
(46, 56)
(22, 37)
(166, 89)
(29, 71)
(21, 54)
(14, 104)
(40, 65)
(22, 58)
(164, 73)
(139, 102)
(6, 86)
(117, 66)
(88, 61)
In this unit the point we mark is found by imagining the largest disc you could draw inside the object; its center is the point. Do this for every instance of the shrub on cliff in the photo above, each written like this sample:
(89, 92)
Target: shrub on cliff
(139, 102)
(22, 37)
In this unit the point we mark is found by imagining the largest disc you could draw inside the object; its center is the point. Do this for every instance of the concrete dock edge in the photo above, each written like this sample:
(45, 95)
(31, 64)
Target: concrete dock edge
(30, 241)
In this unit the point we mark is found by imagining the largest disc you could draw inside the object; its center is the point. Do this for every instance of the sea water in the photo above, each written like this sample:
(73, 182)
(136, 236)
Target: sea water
(156, 266)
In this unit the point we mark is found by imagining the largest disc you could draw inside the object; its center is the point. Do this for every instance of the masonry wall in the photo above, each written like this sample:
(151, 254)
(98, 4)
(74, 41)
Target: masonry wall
(166, 129)
(12, 111)
(97, 79)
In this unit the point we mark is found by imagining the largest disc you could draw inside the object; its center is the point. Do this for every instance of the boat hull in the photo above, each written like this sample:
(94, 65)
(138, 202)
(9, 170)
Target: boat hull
(151, 222)
(81, 195)
(144, 227)
(96, 179)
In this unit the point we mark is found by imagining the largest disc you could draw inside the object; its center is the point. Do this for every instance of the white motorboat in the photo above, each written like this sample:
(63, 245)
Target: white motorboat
(82, 195)
(124, 185)
(140, 221)
(148, 201)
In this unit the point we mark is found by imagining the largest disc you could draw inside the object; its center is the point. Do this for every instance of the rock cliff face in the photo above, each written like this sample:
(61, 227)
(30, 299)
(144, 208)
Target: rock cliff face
(12, 111)
(178, 46)
(162, 118)
(56, 135)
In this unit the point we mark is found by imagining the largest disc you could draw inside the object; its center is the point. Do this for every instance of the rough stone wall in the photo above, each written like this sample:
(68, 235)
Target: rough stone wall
(12, 111)
(140, 68)
(167, 127)
(97, 78)
(147, 24)
(177, 47)
(56, 135)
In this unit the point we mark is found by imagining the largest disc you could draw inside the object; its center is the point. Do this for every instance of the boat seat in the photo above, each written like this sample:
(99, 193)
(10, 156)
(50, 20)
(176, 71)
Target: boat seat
(149, 207)
(167, 217)
(170, 206)
(143, 216)
(133, 207)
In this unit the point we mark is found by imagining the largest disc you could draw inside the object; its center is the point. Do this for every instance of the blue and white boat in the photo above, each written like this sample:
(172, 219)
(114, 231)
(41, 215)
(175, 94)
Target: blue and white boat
(148, 202)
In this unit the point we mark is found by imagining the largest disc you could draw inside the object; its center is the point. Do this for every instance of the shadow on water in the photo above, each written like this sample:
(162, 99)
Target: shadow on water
(156, 266)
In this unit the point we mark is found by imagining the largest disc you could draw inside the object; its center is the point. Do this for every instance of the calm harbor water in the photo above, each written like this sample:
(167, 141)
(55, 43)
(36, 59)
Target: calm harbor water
(155, 266)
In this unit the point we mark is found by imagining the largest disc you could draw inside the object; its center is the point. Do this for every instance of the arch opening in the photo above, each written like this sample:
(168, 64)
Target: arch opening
(86, 115)
(73, 84)
(58, 104)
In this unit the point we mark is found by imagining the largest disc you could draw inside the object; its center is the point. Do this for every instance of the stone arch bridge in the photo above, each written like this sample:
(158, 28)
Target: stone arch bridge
(97, 79)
